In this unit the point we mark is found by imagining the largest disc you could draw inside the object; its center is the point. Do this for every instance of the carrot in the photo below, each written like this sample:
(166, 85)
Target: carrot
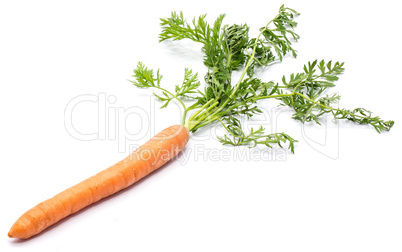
(144, 160)
(227, 49)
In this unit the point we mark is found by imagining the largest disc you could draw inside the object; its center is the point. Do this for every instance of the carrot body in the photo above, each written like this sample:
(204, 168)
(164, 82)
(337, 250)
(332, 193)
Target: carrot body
(144, 160)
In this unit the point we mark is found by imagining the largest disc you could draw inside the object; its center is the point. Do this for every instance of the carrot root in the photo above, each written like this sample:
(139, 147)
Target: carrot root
(141, 162)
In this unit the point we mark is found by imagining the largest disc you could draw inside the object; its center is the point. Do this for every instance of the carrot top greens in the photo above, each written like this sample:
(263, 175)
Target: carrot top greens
(227, 49)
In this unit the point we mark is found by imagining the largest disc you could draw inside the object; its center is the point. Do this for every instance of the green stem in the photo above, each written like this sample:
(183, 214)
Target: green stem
(218, 114)
(204, 123)
(272, 96)
(204, 114)
(195, 120)
(194, 106)
(179, 100)
(327, 107)
(187, 123)
(252, 57)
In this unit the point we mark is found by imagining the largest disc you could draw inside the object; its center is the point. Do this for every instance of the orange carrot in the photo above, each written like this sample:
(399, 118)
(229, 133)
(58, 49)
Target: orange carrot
(144, 160)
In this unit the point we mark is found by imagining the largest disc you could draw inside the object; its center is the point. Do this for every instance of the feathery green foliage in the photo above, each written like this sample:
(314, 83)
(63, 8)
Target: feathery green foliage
(229, 48)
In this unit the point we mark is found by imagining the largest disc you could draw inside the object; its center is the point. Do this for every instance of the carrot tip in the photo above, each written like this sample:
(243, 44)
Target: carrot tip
(19, 230)
(11, 233)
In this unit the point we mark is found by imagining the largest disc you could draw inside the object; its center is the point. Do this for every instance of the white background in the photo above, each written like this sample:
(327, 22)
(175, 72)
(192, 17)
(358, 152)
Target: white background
(340, 191)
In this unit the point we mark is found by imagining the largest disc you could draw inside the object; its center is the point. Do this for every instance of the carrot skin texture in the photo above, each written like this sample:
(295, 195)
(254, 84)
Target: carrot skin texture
(147, 158)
